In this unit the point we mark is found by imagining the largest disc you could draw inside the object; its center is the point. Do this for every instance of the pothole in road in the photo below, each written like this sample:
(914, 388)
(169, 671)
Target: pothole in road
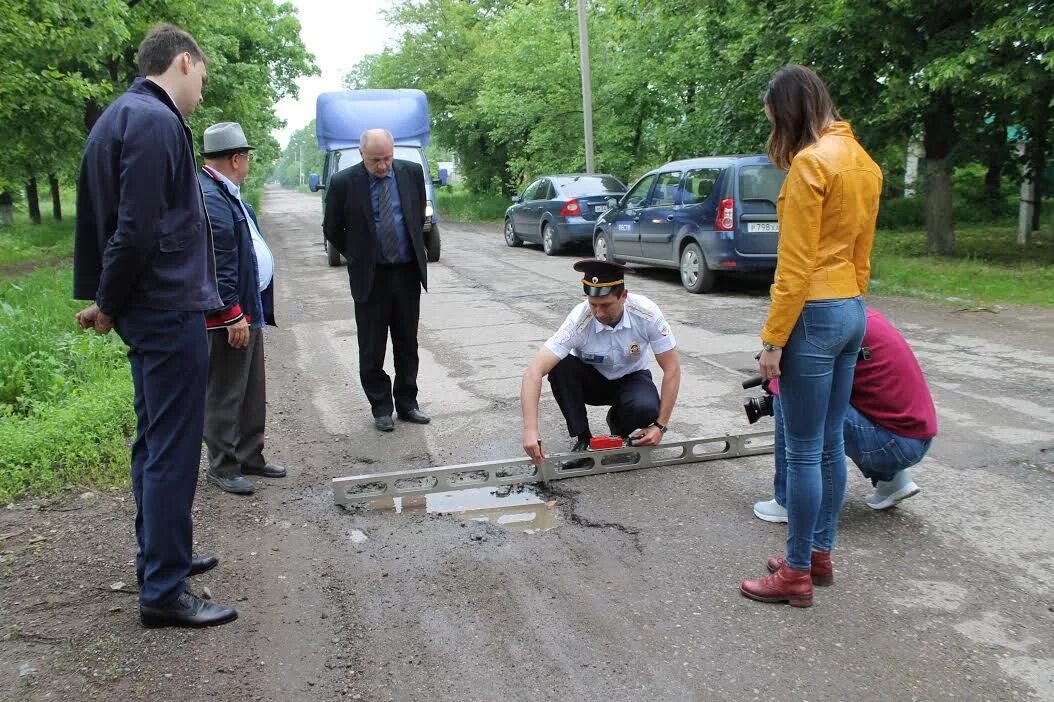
(518, 507)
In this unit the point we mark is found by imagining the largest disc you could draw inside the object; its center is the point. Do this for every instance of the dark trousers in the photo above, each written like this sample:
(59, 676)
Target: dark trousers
(394, 305)
(235, 404)
(633, 398)
(168, 353)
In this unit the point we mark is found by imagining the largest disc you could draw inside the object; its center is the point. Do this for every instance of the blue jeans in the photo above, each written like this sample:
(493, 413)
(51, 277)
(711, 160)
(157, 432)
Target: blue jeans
(816, 380)
(877, 452)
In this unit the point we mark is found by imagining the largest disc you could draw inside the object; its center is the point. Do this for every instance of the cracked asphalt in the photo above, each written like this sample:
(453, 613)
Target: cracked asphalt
(634, 594)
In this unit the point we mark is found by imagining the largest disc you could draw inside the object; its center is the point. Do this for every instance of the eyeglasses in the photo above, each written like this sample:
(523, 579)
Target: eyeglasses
(247, 154)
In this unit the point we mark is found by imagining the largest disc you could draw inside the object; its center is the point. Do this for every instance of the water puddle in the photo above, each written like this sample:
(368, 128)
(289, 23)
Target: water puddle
(519, 508)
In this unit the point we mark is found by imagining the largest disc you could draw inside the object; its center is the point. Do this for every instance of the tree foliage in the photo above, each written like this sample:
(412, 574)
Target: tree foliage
(69, 58)
(300, 157)
(683, 77)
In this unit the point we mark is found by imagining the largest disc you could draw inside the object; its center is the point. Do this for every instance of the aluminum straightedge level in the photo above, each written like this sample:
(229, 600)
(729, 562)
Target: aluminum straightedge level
(362, 488)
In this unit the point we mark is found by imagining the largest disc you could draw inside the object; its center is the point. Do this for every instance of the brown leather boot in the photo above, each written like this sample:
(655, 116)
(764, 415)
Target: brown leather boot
(822, 568)
(785, 585)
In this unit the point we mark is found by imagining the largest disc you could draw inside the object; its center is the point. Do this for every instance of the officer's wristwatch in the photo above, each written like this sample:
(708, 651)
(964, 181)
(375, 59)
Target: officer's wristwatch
(661, 427)
(766, 346)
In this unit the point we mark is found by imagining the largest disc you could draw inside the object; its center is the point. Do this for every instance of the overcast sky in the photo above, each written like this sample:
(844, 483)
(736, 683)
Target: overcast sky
(339, 33)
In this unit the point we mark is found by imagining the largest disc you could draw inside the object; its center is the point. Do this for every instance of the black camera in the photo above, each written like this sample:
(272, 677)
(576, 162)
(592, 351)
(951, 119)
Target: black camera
(757, 407)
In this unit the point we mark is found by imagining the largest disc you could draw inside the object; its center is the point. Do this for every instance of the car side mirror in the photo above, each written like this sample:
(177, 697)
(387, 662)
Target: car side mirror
(612, 203)
(516, 199)
(314, 183)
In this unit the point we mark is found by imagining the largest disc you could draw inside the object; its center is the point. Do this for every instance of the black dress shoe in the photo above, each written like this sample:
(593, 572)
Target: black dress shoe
(236, 484)
(268, 470)
(415, 416)
(580, 446)
(384, 423)
(203, 564)
(188, 610)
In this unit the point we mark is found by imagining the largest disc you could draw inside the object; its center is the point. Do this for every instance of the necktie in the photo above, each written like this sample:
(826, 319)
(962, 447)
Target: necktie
(389, 239)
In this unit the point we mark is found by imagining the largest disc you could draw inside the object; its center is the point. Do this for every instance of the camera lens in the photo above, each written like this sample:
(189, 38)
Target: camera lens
(758, 407)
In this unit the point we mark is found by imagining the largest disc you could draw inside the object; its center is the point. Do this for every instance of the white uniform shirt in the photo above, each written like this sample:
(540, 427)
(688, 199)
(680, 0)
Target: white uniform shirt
(619, 350)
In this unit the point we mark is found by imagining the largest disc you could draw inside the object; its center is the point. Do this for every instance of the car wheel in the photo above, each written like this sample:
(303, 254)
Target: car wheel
(332, 255)
(600, 247)
(550, 242)
(510, 236)
(602, 250)
(695, 275)
(434, 245)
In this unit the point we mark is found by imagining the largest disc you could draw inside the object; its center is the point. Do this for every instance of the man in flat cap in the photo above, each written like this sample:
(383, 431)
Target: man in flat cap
(599, 356)
(235, 404)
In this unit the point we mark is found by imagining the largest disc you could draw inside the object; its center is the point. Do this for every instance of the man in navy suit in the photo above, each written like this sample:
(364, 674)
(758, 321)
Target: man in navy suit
(143, 254)
(375, 217)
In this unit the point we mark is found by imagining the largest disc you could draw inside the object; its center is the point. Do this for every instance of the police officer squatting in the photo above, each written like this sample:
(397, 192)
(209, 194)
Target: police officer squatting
(599, 356)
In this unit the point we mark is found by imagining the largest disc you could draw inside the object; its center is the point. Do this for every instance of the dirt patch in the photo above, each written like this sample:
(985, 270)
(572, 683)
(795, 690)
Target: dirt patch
(21, 268)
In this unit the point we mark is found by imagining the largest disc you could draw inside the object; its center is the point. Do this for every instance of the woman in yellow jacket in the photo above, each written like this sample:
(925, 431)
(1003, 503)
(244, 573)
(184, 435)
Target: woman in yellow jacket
(827, 211)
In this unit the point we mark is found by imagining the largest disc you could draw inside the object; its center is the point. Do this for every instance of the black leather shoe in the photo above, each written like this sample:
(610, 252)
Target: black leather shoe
(415, 416)
(236, 484)
(203, 564)
(580, 446)
(188, 610)
(268, 470)
(384, 423)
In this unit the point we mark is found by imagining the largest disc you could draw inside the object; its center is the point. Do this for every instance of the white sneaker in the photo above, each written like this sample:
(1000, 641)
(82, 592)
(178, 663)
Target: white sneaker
(770, 511)
(889, 492)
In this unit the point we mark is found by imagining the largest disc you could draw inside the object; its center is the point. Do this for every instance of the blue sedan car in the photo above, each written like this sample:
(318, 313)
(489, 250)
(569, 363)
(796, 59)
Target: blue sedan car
(702, 216)
(560, 209)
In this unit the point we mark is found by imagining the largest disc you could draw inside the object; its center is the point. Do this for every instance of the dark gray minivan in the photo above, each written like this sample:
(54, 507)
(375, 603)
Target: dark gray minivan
(703, 216)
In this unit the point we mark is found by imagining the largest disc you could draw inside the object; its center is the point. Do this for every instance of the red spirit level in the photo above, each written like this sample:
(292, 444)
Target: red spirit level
(599, 443)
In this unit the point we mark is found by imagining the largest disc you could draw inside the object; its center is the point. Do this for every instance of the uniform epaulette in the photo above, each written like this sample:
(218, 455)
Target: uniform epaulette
(640, 311)
(581, 322)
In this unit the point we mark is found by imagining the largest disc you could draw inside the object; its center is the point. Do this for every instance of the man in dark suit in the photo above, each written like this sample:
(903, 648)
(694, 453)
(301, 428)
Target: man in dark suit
(143, 253)
(375, 218)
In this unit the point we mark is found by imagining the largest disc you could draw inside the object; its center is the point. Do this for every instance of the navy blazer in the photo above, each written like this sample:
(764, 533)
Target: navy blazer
(237, 274)
(142, 238)
(348, 222)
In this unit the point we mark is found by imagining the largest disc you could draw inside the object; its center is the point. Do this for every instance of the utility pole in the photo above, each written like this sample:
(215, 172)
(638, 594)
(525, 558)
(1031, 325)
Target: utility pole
(587, 87)
(300, 163)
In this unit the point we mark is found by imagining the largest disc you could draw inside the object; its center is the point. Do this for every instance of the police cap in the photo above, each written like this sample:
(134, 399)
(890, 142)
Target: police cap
(600, 277)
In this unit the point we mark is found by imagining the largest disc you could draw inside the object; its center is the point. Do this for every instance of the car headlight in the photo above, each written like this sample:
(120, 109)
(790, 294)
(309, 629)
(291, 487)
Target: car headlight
(429, 210)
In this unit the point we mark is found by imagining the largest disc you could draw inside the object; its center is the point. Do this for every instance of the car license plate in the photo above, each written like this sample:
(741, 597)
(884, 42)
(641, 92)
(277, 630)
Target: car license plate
(600, 209)
(763, 227)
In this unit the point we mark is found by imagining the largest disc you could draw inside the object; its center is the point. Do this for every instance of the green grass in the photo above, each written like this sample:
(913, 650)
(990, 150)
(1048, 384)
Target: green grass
(988, 267)
(65, 395)
(22, 241)
(459, 204)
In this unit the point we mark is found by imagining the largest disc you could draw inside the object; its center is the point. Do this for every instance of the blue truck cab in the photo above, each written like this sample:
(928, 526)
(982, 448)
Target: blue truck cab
(341, 116)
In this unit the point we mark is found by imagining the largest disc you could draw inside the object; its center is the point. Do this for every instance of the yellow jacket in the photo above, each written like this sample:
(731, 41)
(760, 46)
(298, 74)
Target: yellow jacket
(827, 210)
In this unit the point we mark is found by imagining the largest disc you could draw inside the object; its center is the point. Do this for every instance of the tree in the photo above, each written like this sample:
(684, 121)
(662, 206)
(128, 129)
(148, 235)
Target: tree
(47, 44)
(683, 78)
(70, 58)
(302, 145)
